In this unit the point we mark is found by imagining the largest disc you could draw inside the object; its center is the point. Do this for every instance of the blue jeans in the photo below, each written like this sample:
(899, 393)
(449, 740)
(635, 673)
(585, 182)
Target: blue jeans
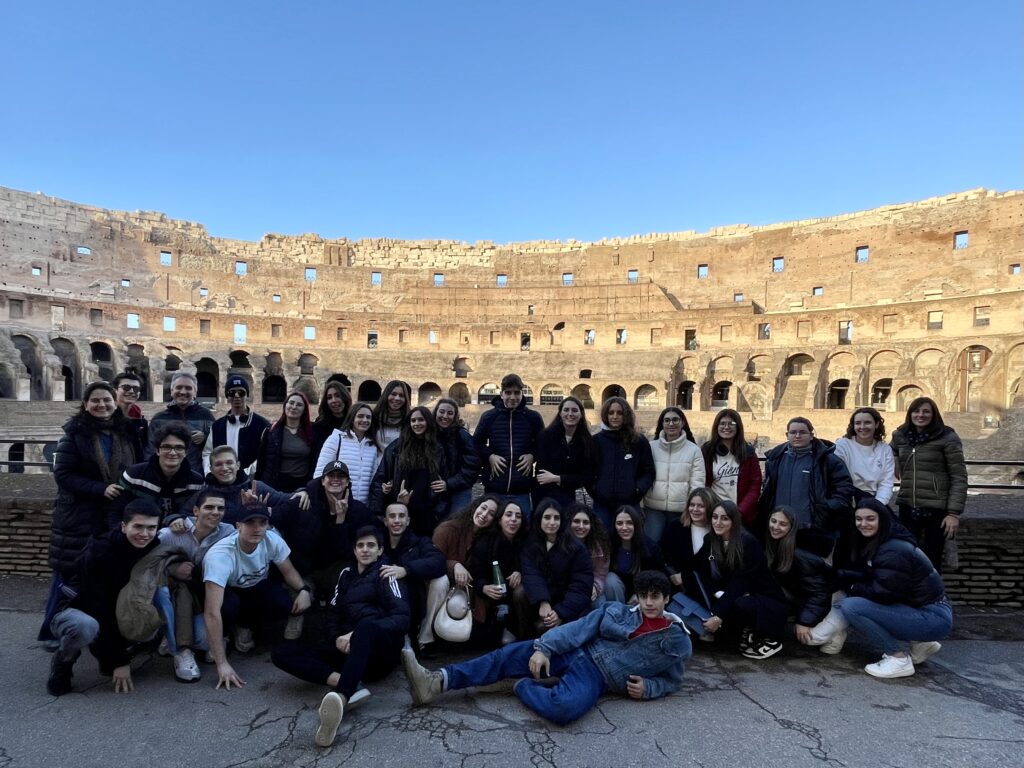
(576, 693)
(888, 627)
(615, 588)
(163, 603)
(74, 630)
(655, 521)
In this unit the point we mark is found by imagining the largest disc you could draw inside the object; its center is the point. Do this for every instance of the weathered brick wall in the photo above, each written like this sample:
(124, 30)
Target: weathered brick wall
(24, 535)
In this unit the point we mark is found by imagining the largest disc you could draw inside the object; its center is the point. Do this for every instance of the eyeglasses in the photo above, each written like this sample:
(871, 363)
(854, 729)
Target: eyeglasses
(129, 388)
(237, 393)
(727, 424)
(173, 448)
(801, 433)
(671, 420)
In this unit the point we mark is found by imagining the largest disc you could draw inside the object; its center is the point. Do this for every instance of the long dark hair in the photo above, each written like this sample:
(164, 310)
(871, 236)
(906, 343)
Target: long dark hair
(739, 442)
(628, 431)
(879, 423)
(417, 452)
(639, 547)
(380, 410)
(463, 518)
(937, 424)
(597, 540)
(324, 415)
(862, 548)
(679, 412)
(457, 422)
(731, 557)
(780, 552)
(582, 434)
(82, 412)
(495, 537)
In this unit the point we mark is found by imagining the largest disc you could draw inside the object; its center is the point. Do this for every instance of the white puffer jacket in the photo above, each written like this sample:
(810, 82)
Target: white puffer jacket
(679, 468)
(360, 456)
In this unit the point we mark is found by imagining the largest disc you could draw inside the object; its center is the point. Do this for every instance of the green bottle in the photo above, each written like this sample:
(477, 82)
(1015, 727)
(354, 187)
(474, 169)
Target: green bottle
(499, 580)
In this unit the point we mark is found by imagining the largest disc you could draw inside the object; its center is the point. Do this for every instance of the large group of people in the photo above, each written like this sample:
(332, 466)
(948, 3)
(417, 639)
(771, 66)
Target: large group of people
(365, 514)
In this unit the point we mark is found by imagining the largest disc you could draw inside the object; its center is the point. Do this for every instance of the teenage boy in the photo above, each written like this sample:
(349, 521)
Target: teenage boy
(239, 592)
(181, 601)
(127, 390)
(415, 561)
(88, 615)
(366, 625)
(638, 651)
(184, 407)
(238, 488)
(166, 478)
(506, 439)
(241, 428)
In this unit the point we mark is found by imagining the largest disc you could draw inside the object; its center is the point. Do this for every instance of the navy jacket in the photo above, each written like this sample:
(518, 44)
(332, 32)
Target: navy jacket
(899, 572)
(248, 436)
(509, 434)
(197, 418)
(568, 461)
(563, 579)
(831, 488)
(622, 475)
(366, 597)
(417, 554)
(462, 465)
(172, 495)
(808, 586)
(426, 508)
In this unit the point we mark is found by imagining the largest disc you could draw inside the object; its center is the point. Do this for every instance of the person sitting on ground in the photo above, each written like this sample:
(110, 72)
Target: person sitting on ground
(166, 477)
(896, 597)
(241, 428)
(184, 407)
(181, 601)
(501, 543)
(631, 552)
(87, 614)
(238, 488)
(808, 583)
(558, 576)
(587, 527)
(744, 596)
(366, 625)
(414, 561)
(239, 593)
(321, 533)
(639, 651)
(684, 539)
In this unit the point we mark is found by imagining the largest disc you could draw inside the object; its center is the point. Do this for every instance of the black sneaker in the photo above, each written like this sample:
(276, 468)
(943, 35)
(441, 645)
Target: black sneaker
(763, 649)
(746, 639)
(59, 681)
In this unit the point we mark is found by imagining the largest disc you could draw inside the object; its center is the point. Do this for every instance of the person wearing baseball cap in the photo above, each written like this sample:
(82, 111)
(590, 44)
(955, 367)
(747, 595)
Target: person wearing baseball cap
(241, 428)
(238, 592)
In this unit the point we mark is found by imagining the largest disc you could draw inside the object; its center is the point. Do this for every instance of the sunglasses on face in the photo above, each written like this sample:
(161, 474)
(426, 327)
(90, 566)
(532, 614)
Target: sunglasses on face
(129, 388)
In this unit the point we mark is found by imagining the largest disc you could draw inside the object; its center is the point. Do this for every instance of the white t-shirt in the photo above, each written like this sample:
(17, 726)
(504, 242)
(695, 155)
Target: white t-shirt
(725, 476)
(228, 566)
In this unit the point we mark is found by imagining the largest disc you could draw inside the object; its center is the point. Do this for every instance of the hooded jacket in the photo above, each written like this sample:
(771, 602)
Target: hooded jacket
(829, 486)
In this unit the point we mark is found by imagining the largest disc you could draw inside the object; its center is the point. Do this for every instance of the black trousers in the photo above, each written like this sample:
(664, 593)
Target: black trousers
(926, 526)
(253, 606)
(373, 654)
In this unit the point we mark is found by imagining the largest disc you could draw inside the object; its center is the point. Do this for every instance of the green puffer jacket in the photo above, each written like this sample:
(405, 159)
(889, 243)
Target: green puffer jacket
(932, 474)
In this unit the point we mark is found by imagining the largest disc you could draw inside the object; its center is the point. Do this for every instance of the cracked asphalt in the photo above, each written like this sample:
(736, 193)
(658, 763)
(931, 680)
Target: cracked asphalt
(964, 708)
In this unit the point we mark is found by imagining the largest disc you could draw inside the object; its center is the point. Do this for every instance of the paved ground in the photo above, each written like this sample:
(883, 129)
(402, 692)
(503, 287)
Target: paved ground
(964, 708)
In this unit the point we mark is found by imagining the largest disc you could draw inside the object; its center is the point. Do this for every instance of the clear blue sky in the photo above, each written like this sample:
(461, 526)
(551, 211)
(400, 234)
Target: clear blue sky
(509, 120)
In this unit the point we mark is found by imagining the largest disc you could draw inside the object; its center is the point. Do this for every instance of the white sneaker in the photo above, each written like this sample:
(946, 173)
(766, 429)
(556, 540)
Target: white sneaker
(835, 644)
(921, 652)
(185, 667)
(164, 649)
(243, 640)
(361, 695)
(293, 629)
(332, 709)
(891, 666)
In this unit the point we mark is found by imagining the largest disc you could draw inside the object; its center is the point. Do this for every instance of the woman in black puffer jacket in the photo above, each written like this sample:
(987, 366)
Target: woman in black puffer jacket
(895, 594)
(933, 477)
(99, 443)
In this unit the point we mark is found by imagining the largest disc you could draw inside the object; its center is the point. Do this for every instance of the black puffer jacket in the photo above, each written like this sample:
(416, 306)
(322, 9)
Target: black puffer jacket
(808, 586)
(81, 511)
(830, 487)
(565, 579)
(509, 434)
(751, 577)
(898, 572)
(361, 597)
(622, 475)
(569, 460)
(462, 465)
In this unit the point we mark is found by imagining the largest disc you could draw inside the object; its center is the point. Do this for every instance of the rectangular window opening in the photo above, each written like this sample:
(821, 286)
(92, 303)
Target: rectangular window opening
(960, 240)
(621, 335)
(126, 283)
(890, 323)
(204, 292)
(37, 271)
(16, 309)
(375, 278)
(567, 278)
(818, 290)
(501, 281)
(935, 320)
(83, 250)
(241, 333)
(170, 323)
(132, 320)
(431, 337)
(861, 254)
(241, 268)
(96, 316)
(982, 316)
(633, 276)
(845, 331)
(737, 297)
(778, 264)
(702, 271)
(589, 336)
(276, 298)
(1015, 269)
(371, 339)
(439, 279)
(524, 342)
(310, 274)
(309, 332)
(166, 258)
(204, 327)
(764, 331)
(341, 334)
(275, 330)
